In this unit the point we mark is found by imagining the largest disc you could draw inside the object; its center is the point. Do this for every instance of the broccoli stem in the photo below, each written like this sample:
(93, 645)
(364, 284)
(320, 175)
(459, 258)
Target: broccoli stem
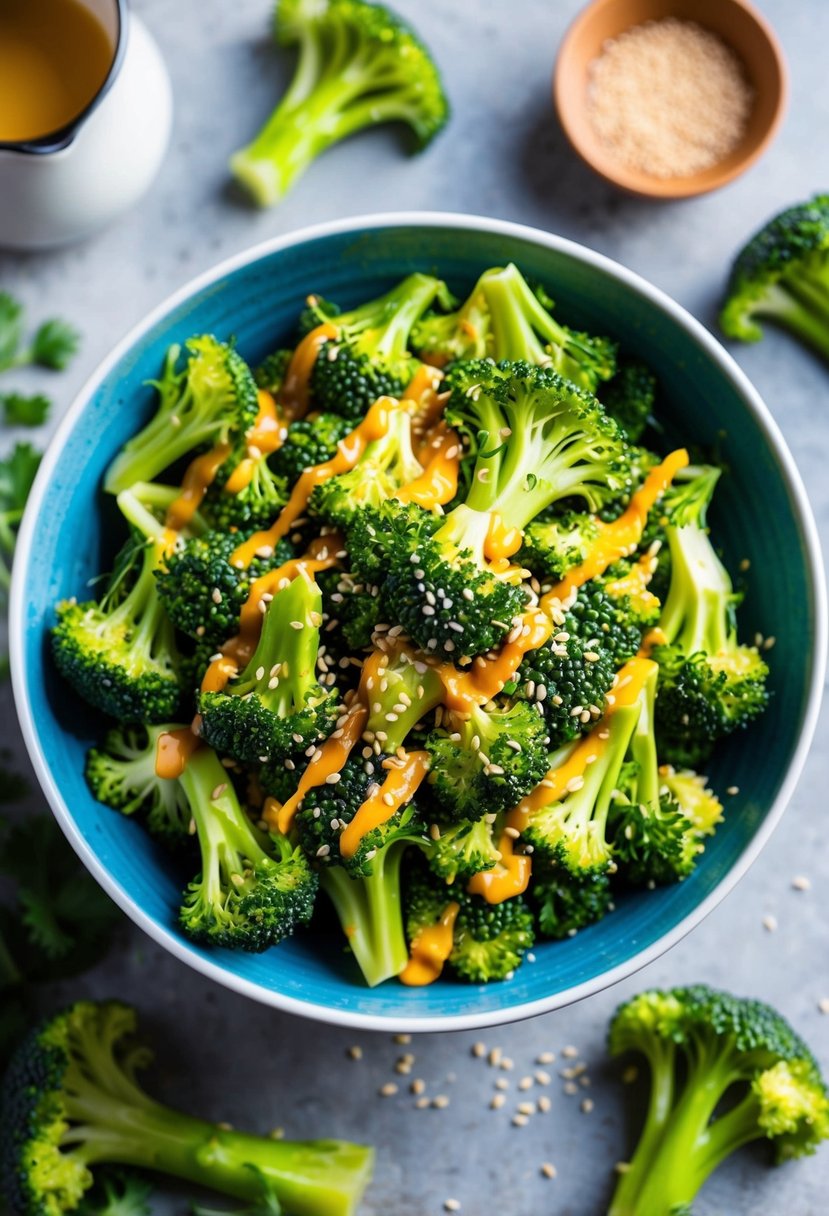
(517, 317)
(302, 127)
(678, 1149)
(123, 1126)
(370, 913)
(802, 304)
(696, 610)
(293, 650)
(228, 840)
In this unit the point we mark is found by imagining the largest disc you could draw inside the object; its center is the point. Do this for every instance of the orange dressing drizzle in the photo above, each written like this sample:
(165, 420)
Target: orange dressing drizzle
(349, 450)
(399, 787)
(430, 949)
(198, 476)
(172, 751)
(486, 678)
(511, 876)
(618, 539)
(438, 483)
(295, 388)
(653, 638)
(502, 540)
(337, 747)
(264, 437)
(423, 390)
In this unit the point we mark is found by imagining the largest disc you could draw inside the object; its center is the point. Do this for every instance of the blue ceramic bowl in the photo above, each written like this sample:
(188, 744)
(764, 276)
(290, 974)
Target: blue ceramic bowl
(761, 510)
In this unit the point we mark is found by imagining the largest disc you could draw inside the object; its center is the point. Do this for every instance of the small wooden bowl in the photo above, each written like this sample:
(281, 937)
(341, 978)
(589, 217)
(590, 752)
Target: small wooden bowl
(735, 21)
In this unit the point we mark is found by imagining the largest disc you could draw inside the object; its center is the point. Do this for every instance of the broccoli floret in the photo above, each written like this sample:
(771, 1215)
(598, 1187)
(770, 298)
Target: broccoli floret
(309, 441)
(504, 318)
(122, 774)
(253, 891)
(120, 653)
(370, 357)
(71, 1102)
(565, 903)
(203, 591)
(572, 830)
(385, 466)
(256, 505)
(709, 684)
(211, 399)
(406, 690)
(783, 274)
(465, 848)
(356, 609)
(270, 373)
(359, 65)
(630, 397)
(490, 939)
(371, 536)
(555, 545)
(485, 762)
(691, 793)
(276, 705)
(724, 1071)
(364, 887)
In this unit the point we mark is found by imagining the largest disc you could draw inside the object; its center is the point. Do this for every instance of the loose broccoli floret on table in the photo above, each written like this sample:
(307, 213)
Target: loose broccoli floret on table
(503, 318)
(709, 684)
(724, 1071)
(122, 774)
(359, 65)
(203, 591)
(253, 890)
(370, 356)
(565, 903)
(782, 275)
(211, 399)
(71, 1102)
(276, 705)
(485, 762)
(120, 653)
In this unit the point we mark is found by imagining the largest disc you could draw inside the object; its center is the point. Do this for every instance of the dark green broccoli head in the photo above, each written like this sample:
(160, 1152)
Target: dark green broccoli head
(122, 775)
(212, 399)
(120, 654)
(703, 697)
(270, 373)
(653, 841)
(783, 273)
(565, 903)
(310, 441)
(203, 592)
(277, 705)
(556, 544)
(326, 812)
(356, 610)
(370, 356)
(630, 397)
(373, 535)
(464, 848)
(444, 592)
(487, 761)
(255, 506)
(386, 465)
(490, 939)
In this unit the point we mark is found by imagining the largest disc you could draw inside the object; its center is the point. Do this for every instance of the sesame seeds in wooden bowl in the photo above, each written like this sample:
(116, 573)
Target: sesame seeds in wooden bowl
(669, 98)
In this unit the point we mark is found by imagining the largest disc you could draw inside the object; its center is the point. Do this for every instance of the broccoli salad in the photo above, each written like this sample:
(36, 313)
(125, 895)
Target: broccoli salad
(412, 627)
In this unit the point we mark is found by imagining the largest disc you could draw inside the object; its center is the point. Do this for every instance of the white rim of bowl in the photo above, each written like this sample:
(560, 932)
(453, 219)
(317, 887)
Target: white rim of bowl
(512, 1013)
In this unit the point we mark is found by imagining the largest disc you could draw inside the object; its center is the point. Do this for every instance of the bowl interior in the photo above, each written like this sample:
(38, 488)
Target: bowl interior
(739, 25)
(72, 533)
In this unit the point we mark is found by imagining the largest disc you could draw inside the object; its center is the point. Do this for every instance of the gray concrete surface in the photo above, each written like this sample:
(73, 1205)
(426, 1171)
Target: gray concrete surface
(504, 156)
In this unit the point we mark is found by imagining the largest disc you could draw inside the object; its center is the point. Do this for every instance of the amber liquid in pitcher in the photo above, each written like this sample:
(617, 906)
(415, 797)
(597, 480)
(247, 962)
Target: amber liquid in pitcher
(54, 57)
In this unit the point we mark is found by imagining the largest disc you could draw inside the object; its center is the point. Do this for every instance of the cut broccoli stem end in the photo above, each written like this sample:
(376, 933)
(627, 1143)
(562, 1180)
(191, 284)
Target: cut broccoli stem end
(371, 915)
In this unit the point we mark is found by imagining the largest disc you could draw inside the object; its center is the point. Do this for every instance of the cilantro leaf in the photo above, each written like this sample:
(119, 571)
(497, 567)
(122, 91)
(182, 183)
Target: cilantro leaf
(17, 472)
(54, 344)
(25, 411)
(11, 329)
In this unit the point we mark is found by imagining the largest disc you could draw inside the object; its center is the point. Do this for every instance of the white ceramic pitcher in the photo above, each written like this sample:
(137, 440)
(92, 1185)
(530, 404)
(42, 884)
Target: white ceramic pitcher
(65, 185)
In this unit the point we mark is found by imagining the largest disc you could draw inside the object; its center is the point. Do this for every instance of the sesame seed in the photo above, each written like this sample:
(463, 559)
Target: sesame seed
(823, 1004)
(333, 778)
(502, 1083)
(440, 1102)
(587, 1105)
(506, 1063)
(770, 923)
(544, 1104)
(548, 1170)
(497, 1101)
(801, 883)
(417, 1087)
(546, 1057)
(570, 1087)
(733, 790)
(388, 1090)
(422, 1104)
(479, 1050)
(570, 1053)
(519, 1120)
(323, 850)
(355, 1053)
(218, 791)
(494, 1057)
(630, 1074)
(542, 1077)
(451, 1205)
(526, 1108)
(216, 595)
